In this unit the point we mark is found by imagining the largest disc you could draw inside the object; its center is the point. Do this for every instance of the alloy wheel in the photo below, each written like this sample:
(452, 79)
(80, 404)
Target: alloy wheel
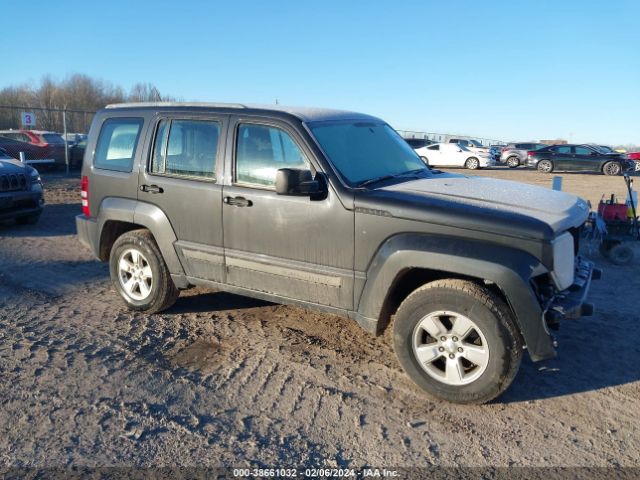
(134, 274)
(450, 348)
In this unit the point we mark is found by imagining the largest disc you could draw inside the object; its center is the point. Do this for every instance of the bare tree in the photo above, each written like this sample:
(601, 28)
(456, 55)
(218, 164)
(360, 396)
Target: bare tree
(79, 94)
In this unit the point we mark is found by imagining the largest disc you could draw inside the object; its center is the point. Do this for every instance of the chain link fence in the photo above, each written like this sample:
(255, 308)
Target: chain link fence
(44, 137)
(445, 137)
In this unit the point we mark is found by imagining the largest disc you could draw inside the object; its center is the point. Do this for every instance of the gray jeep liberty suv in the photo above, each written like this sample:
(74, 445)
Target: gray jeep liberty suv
(332, 210)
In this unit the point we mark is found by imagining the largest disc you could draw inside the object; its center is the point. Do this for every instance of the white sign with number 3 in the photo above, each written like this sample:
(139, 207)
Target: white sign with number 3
(28, 119)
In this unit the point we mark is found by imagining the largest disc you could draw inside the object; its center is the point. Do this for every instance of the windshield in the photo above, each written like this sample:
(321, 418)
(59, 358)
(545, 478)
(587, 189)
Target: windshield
(475, 143)
(363, 151)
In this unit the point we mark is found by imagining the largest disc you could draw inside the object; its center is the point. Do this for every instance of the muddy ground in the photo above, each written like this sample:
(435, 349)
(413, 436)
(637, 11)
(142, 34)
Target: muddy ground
(221, 379)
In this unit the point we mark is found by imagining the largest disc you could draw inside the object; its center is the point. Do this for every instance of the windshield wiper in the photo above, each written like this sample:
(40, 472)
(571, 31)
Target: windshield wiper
(389, 177)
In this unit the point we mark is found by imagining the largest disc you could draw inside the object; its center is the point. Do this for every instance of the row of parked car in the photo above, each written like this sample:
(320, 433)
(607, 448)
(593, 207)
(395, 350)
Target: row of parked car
(472, 154)
(43, 147)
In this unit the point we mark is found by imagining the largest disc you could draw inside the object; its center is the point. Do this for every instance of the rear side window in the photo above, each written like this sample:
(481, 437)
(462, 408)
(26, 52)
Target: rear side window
(186, 148)
(434, 147)
(563, 150)
(117, 144)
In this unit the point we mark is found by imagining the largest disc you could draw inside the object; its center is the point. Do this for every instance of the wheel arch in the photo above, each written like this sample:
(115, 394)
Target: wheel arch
(407, 261)
(120, 215)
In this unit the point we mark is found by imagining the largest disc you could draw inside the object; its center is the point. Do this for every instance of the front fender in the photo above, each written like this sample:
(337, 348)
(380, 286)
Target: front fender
(510, 269)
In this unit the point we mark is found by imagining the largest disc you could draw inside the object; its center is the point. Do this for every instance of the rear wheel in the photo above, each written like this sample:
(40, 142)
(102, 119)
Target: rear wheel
(457, 341)
(140, 274)
(545, 166)
(612, 168)
(472, 163)
(513, 162)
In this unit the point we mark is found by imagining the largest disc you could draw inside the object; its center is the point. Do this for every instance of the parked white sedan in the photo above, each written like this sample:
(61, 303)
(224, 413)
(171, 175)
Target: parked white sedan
(454, 155)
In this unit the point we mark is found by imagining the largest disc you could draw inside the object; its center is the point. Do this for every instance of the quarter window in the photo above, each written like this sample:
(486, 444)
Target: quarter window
(261, 151)
(117, 144)
(434, 147)
(186, 148)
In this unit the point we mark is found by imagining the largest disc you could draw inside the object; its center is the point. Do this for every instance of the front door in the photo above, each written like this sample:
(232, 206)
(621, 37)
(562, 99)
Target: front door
(181, 178)
(290, 246)
(586, 159)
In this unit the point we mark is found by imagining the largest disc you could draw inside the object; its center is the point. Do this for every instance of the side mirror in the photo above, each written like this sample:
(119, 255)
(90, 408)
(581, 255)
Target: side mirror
(293, 181)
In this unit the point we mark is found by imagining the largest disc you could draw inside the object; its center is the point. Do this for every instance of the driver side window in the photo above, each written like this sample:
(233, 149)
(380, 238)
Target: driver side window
(262, 150)
(583, 151)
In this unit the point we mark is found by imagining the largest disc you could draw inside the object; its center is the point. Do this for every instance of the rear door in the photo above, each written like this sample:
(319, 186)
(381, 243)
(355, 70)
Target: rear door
(292, 246)
(181, 178)
(562, 157)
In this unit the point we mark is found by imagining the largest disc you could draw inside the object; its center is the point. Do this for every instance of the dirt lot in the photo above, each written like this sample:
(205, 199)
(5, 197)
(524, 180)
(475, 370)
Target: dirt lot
(224, 380)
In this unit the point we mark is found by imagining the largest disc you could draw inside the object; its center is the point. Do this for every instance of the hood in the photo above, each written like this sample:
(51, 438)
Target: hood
(8, 166)
(485, 204)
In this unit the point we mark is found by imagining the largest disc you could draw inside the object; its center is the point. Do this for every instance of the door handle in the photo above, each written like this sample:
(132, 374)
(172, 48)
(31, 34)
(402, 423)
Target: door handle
(237, 201)
(151, 188)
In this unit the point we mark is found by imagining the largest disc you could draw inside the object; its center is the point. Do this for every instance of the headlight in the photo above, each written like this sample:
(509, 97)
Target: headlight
(563, 261)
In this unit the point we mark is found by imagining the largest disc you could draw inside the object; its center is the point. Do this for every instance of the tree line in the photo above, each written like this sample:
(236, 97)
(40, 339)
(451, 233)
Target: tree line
(80, 95)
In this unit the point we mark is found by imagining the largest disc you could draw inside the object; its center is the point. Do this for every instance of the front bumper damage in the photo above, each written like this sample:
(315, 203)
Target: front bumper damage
(571, 303)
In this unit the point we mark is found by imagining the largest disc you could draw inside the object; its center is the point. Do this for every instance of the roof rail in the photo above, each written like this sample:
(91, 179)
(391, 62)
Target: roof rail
(175, 104)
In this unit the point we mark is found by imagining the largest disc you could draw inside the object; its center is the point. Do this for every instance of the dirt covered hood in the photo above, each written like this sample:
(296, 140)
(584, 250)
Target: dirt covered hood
(558, 210)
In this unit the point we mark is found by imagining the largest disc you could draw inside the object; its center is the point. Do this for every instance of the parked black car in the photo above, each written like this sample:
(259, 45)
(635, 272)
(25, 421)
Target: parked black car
(76, 153)
(20, 191)
(578, 158)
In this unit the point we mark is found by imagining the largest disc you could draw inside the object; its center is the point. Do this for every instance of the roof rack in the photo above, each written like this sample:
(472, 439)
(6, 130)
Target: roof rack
(175, 104)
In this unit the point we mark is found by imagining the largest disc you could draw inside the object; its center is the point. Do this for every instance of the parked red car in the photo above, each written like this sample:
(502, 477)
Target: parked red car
(634, 155)
(49, 145)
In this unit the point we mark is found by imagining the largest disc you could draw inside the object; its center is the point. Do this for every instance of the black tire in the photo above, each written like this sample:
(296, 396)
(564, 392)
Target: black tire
(425, 160)
(163, 292)
(545, 166)
(491, 316)
(612, 169)
(472, 163)
(28, 220)
(513, 162)
(620, 254)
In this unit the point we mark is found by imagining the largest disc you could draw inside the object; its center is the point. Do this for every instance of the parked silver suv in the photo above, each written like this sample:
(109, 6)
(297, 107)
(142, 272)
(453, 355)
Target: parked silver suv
(515, 154)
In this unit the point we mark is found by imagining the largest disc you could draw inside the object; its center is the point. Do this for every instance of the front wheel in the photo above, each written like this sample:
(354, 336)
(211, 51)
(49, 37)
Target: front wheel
(472, 163)
(457, 341)
(140, 274)
(425, 160)
(545, 166)
(611, 168)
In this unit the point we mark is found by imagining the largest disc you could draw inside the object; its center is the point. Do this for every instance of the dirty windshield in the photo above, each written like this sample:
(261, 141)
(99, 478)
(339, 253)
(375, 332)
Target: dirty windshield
(367, 151)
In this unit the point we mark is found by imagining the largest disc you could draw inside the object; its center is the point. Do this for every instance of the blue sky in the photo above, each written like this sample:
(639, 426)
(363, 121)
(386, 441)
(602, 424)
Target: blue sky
(511, 70)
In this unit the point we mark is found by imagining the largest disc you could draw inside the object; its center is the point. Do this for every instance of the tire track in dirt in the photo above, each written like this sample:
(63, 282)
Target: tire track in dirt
(219, 380)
